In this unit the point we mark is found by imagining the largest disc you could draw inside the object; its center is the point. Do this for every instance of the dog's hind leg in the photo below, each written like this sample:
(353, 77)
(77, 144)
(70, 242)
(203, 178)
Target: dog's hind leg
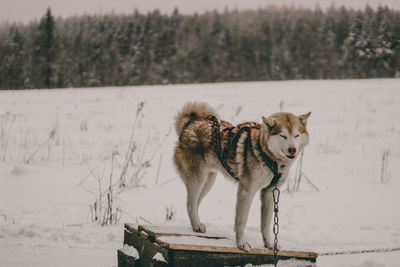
(194, 190)
(207, 186)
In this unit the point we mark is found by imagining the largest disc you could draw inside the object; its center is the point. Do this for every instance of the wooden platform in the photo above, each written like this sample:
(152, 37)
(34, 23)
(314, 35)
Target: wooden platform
(182, 247)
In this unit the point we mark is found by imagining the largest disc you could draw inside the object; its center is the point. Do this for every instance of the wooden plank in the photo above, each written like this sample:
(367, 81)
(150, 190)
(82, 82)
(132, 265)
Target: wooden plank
(157, 231)
(211, 259)
(207, 258)
(256, 251)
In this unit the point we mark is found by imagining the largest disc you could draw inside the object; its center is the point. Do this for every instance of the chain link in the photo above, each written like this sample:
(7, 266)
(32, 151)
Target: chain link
(276, 193)
(348, 252)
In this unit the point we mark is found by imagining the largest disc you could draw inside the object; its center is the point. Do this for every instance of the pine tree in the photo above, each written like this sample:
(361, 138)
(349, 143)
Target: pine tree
(44, 52)
(12, 61)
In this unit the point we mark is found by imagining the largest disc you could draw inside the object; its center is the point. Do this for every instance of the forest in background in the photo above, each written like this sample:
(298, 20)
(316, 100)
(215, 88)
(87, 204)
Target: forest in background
(266, 44)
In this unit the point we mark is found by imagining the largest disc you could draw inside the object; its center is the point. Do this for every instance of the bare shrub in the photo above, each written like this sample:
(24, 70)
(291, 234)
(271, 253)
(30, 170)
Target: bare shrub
(6, 122)
(326, 148)
(132, 170)
(83, 126)
(158, 169)
(132, 148)
(7, 219)
(137, 159)
(385, 173)
(281, 105)
(170, 213)
(104, 210)
(238, 110)
(30, 155)
(299, 176)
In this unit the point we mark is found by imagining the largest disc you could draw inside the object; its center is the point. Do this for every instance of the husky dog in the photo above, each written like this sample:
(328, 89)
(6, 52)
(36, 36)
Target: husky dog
(249, 146)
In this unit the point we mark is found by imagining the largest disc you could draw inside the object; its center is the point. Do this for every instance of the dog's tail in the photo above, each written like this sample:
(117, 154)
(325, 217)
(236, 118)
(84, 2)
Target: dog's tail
(190, 112)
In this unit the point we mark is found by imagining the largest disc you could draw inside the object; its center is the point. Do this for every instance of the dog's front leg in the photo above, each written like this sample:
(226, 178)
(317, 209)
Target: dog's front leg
(267, 206)
(244, 199)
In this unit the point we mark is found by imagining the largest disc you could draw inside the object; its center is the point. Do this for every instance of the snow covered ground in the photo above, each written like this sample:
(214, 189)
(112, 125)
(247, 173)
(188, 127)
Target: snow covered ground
(53, 143)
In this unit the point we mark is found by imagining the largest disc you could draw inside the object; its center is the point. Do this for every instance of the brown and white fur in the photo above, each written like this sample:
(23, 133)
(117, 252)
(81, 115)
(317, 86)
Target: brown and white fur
(281, 136)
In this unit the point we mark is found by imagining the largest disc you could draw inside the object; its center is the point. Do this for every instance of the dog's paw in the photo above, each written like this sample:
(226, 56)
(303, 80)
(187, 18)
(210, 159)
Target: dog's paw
(269, 245)
(201, 228)
(243, 245)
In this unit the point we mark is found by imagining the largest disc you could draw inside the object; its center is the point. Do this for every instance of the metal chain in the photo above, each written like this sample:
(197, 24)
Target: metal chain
(276, 193)
(348, 252)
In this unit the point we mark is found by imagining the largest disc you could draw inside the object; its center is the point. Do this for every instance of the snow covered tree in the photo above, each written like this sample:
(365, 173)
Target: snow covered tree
(44, 52)
(12, 60)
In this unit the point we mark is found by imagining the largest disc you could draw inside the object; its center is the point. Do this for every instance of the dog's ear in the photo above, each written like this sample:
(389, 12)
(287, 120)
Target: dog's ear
(270, 122)
(303, 118)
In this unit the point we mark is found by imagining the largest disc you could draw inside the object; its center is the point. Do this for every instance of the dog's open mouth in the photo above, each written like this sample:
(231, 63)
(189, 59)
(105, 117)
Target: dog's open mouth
(289, 156)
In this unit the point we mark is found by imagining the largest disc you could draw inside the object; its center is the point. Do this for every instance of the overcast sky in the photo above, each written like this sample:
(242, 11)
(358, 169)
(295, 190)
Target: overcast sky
(28, 10)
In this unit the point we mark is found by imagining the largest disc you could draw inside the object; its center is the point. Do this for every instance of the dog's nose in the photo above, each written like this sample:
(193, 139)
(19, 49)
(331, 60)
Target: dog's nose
(292, 150)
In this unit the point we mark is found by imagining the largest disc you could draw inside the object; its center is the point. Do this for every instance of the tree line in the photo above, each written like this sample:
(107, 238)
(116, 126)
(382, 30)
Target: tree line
(265, 44)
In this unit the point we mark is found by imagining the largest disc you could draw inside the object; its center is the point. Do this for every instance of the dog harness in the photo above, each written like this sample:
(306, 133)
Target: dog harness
(233, 138)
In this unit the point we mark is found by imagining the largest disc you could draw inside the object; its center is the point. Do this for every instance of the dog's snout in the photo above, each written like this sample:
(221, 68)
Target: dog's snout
(292, 150)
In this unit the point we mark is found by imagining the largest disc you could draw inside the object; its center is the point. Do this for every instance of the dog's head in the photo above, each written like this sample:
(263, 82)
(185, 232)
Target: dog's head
(285, 135)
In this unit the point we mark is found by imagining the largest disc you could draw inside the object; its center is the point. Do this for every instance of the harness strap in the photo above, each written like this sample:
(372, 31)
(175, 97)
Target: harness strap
(216, 139)
(233, 139)
(271, 164)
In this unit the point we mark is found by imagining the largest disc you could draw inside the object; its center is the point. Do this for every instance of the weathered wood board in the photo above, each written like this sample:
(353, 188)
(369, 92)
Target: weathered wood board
(183, 247)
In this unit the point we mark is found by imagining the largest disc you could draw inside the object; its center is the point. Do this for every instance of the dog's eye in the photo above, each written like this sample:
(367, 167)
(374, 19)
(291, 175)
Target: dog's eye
(284, 137)
(296, 136)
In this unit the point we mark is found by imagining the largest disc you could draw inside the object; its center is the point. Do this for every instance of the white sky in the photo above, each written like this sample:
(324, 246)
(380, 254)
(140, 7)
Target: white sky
(28, 10)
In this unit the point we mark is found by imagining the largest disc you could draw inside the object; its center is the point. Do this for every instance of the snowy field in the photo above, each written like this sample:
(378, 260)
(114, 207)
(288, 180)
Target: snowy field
(56, 145)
